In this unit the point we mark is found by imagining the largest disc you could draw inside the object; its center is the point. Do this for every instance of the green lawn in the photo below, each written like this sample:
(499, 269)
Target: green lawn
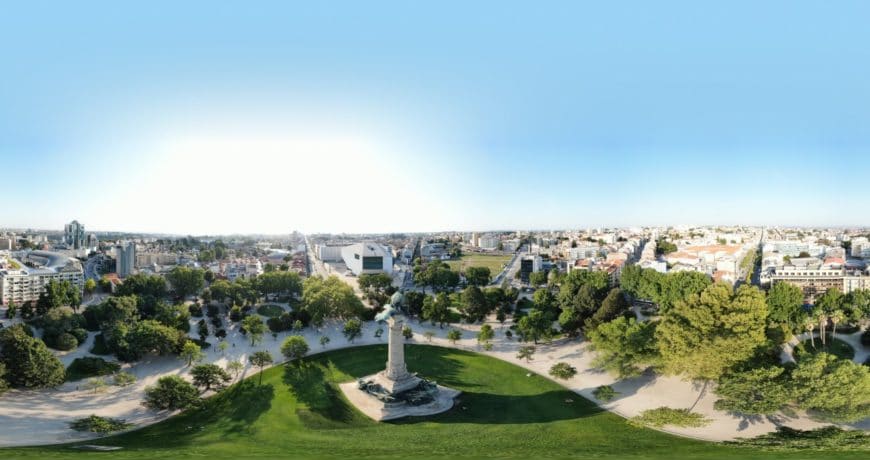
(298, 412)
(495, 263)
(270, 310)
(833, 346)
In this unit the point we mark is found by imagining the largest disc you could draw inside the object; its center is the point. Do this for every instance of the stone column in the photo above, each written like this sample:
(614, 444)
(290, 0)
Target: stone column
(396, 368)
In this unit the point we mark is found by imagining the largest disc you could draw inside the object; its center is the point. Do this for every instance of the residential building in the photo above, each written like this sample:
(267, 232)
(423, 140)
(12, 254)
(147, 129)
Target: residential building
(125, 259)
(24, 281)
(74, 235)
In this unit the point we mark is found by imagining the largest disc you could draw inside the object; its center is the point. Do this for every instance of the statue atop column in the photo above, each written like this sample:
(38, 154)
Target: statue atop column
(394, 392)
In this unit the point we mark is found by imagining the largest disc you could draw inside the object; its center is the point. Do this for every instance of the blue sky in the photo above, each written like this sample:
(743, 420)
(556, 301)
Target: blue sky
(192, 117)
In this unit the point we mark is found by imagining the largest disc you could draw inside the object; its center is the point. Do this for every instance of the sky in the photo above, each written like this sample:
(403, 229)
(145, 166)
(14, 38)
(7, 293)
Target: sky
(267, 117)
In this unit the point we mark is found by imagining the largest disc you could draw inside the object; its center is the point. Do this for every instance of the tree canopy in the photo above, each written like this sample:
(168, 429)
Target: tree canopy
(706, 334)
(624, 346)
(28, 362)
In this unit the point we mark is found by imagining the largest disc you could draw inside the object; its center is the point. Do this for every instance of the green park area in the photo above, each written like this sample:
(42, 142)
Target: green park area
(297, 411)
(495, 263)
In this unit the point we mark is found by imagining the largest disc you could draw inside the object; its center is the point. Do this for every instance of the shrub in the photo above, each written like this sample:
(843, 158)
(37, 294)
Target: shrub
(123, 379)
(97, 424)
(65, 342)
(80, 334)
(100, 347)
(171, 393)
(270, 310)
(407, 333)
(563, 371)
(658, 418)
(89, 366)
(605, 393)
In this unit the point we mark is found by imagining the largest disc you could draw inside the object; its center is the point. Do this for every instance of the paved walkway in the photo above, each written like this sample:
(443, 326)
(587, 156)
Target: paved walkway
(42, 417)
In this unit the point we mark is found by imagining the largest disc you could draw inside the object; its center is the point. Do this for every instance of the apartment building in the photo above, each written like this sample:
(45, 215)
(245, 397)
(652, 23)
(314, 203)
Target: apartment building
(25, 280)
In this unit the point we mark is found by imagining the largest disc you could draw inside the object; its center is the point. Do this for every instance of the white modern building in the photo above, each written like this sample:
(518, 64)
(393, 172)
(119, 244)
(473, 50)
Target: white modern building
(368, 257)
(23, 281)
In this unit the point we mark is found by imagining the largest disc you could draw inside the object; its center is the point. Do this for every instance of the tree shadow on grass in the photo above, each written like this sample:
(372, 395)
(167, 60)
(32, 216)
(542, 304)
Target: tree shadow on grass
(321, 403)
(231, 412)
(488, 408)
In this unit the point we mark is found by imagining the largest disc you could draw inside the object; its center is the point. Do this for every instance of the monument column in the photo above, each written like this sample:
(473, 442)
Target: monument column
(396, 368)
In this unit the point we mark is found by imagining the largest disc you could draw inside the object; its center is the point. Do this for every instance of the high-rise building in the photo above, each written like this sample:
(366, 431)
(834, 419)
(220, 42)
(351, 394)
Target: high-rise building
(74, 235)
(125, 259)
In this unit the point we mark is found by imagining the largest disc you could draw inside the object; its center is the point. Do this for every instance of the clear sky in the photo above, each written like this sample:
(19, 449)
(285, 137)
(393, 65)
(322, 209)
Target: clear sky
(219, 117)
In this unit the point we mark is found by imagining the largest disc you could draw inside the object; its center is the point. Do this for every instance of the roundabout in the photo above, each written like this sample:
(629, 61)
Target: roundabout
(299, 412)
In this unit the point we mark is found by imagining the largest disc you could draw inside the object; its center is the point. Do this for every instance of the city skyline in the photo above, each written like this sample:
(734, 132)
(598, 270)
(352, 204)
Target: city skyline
(346, 119)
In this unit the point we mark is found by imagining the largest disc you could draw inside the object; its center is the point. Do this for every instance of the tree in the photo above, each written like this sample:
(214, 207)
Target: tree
(202, 329)
(414, 303)
(437, 309)
(485, 334)
(97, 384)
(235, 367)
(429, 335)
(57, 294)
(477, 276)
(526, 352)
(329, 298)
(171, 393)
(28, 362)
(613, 306)
(90, 286)
(191, 353)
(836, 317)
(255, 328)
(261, 359)
(832, 300)
(563, 370)
(186, 281)
(705, 335)
(624, 346)
(454, 335)
(474, 304)
(535, 326)
(538, 279)
(352, 329)
(222, 347)
(784, 305)
(810, 326)
(4, 385)
(762, 391)
(379, 282)
(294, 347)
(324, 341)
(407, 333)
(209, 376)
(839, 389)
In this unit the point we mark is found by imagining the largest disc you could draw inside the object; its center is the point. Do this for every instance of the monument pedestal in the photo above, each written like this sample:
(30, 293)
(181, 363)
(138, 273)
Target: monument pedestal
(395, 392)
(380, 411)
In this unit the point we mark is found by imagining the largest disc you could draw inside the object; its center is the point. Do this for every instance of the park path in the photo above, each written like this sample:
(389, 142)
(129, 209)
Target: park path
(42, 417)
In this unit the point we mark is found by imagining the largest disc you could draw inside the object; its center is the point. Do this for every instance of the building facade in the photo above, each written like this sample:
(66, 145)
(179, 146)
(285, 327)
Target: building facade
(368, 257)
(125, 259)
(27, 281)
(74, 235)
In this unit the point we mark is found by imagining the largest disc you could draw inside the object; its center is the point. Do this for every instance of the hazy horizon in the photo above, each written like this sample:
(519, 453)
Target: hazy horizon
(391, 117)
